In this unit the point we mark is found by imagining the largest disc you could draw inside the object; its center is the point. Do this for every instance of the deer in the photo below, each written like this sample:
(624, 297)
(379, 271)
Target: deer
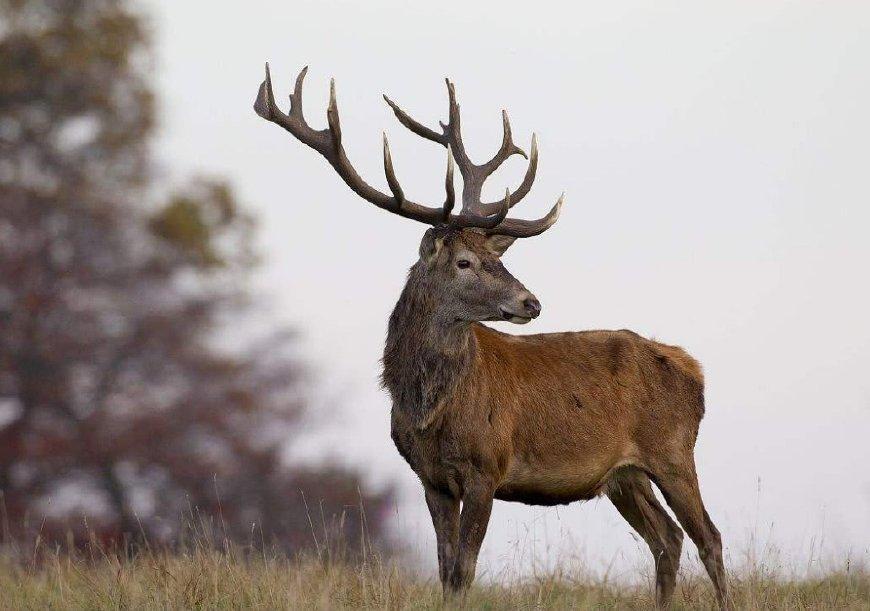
(544, 419)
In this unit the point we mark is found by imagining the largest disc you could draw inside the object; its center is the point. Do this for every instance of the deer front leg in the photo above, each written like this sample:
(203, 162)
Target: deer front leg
(476, 508)
(444, 509)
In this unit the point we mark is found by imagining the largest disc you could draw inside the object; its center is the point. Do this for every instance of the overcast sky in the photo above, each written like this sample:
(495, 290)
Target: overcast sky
(715, 158)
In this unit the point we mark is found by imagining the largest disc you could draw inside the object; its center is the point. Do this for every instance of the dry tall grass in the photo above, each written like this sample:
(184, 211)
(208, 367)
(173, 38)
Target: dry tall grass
(202, 578)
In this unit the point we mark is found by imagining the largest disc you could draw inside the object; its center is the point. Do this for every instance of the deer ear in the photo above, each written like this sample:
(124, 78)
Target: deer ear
(498, 244)
(430, 246)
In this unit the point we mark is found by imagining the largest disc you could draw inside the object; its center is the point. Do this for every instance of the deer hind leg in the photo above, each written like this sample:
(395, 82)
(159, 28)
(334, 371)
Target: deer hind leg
(632, 495)
(444, 509)
(679, 485)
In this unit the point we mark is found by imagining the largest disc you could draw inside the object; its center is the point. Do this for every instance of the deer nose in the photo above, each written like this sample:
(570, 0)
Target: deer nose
(533, 307)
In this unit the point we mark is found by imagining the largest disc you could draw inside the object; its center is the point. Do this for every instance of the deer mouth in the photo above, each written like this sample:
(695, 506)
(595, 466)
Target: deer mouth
(514, 318)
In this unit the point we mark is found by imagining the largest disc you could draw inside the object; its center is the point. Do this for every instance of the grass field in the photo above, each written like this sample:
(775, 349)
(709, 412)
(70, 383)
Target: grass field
(204, 579)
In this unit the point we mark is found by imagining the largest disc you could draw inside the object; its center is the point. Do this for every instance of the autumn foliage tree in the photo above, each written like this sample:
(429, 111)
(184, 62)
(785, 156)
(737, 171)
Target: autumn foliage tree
(131, 395)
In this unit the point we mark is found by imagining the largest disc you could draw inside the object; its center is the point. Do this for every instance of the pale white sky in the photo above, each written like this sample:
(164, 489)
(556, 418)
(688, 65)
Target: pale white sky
(715, 157)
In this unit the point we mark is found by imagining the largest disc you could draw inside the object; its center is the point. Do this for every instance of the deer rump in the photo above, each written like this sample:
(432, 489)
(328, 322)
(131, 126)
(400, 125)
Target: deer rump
(552, 416)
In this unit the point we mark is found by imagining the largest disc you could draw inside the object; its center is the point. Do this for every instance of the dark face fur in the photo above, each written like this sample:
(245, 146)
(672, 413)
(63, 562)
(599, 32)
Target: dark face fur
(468, 281)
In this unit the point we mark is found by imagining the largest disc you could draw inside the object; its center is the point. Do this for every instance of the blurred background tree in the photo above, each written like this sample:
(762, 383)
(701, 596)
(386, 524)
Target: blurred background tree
(122, 408)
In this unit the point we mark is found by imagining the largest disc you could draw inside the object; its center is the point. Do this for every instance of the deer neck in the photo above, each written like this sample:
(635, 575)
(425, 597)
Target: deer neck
(426, 355)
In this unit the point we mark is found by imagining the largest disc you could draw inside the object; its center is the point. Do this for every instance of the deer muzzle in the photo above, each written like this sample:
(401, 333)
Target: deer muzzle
(524, 308)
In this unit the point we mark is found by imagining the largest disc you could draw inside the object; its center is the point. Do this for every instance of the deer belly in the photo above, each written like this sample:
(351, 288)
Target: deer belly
(552, 484)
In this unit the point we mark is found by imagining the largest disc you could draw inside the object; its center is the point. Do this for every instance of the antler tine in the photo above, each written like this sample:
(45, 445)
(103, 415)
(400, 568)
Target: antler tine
(296, 96)
(392, 181)
(520, 228)
(449, 187)
(414, 125)
(332, 117)
(525, 185)
(264, 105)
(507, 148)
(453, 136)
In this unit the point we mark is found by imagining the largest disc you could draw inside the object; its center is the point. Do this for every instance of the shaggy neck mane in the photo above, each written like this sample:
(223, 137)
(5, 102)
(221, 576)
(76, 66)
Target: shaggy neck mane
(426, 355)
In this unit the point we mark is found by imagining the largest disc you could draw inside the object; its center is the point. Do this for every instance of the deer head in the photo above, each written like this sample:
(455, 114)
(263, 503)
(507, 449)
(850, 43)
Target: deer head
(460, 254)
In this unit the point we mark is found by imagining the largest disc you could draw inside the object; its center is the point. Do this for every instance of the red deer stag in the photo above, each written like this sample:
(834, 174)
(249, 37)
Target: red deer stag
(539, 419)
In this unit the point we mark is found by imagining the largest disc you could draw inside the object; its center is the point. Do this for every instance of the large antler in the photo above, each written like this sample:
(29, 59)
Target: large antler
(487, 216)
(474, 175)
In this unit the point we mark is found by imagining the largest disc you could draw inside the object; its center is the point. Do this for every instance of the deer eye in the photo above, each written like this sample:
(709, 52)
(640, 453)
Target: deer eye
(463, 263)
